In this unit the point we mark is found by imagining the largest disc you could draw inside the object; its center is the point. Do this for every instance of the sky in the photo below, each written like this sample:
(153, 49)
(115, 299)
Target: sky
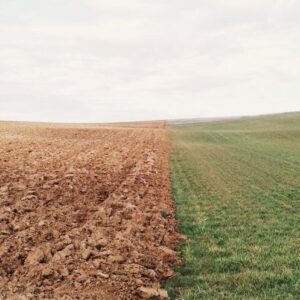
(124, 60)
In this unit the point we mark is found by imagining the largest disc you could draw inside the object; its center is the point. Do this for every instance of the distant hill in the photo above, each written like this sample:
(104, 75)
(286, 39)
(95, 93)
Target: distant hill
(216, 119)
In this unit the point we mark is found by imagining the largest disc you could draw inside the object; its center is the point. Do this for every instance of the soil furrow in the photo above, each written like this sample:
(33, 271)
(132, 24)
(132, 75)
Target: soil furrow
(85, 212)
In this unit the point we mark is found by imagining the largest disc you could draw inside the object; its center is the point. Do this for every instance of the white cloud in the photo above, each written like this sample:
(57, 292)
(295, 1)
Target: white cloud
(99, 60)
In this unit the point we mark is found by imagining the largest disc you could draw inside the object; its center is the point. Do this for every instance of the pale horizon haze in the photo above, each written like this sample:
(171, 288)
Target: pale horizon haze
(127, 60)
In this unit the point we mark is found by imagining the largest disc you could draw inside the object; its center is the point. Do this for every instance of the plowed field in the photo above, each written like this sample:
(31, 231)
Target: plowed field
(85, 212)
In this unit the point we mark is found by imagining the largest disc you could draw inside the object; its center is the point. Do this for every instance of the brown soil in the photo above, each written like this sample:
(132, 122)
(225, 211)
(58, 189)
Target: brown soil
(85, 212)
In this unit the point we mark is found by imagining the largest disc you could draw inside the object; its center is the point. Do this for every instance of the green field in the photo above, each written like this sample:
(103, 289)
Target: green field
(236, 185)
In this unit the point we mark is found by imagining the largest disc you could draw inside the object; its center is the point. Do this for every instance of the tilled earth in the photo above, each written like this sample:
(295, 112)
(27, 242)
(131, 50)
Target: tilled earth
(85, 212)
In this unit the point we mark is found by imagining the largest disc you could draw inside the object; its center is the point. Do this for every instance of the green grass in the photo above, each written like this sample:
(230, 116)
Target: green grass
(236, 185)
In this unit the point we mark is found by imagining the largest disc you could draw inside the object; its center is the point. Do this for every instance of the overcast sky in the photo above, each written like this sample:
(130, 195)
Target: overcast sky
(117, 60)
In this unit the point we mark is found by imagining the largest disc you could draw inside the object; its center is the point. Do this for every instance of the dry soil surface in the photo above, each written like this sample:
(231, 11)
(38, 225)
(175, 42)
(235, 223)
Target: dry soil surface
(85, 212)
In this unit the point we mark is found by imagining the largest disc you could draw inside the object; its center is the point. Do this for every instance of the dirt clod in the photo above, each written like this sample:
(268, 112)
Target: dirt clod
(148, 293)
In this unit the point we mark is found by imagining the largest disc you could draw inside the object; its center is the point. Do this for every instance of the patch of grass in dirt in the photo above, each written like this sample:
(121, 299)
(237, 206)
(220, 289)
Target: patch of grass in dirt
(236, 185)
